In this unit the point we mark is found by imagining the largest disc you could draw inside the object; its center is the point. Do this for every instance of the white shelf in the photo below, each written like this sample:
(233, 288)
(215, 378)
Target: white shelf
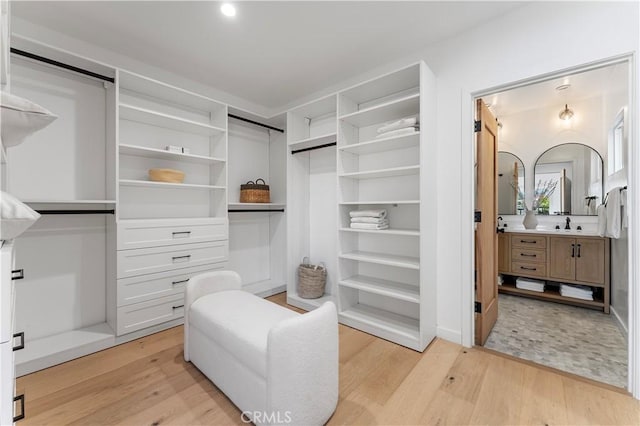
(319, 108)
(378, 319)
(151, 184)
(404, 232)
(383, 144)
(256, 206)
(162, 154)
(308, 304)
(387, 111)
(383, 173)
(34, 201)
(155, 118)
(407, 78)
(385, 288)
(383, 259)
(58, 348)
(313, 142)
(383, 202)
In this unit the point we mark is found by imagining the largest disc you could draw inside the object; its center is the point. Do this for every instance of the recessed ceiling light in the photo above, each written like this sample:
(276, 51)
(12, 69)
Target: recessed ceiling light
(228, 9)
(563, 87)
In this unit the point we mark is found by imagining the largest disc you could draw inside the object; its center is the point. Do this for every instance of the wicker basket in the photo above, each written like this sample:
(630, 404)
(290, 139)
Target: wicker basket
(254, 192)
(312, 279)
(166, 175)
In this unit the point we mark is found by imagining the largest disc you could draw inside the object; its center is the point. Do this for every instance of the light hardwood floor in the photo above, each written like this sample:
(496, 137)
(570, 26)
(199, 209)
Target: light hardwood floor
(147, 382)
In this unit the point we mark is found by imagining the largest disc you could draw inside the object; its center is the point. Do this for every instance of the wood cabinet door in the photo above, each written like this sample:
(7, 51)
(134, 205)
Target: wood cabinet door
(590, 260)
(504, 253)
(562, 265)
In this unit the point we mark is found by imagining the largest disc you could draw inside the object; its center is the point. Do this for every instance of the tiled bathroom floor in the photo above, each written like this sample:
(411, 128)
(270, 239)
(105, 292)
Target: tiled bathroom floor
(577, 340)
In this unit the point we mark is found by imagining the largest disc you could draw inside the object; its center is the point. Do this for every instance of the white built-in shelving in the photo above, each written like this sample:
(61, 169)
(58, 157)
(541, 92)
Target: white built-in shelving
(383, 173)
(257, 206)
(407, 262)
(386, 111)
(382, 144)
(161, 154)
(168, 121)
(165, 185)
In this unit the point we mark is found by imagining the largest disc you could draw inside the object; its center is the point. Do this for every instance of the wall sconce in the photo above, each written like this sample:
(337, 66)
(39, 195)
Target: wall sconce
(566, 113)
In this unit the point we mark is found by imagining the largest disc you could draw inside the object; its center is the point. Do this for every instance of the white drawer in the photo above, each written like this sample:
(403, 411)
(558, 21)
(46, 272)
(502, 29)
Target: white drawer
(133, 234)
(6, 291)
(159, 259)
(152, 312)
(148, 287)
(7, 384)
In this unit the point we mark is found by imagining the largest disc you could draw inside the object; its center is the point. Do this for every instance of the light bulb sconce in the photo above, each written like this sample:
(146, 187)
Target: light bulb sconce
(566, 113)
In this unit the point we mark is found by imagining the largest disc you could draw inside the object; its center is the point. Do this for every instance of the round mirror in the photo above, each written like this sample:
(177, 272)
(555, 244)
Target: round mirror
(568, 180)
(510, 184)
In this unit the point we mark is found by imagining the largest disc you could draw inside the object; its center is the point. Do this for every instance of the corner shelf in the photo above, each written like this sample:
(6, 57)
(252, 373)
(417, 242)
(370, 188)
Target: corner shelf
(383, 259)
(151, 184)
(313, 142)
(387, 111)
(383, 144)
(392, 289)
(383, 173)
(142, 151)
(154, 118)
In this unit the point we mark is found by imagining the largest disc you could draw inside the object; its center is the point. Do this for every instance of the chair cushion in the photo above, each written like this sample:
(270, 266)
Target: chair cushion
(239, 322)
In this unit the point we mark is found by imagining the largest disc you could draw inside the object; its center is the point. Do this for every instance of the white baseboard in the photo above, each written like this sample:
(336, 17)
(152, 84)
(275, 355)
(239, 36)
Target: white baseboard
(621, 324)
(454, 336)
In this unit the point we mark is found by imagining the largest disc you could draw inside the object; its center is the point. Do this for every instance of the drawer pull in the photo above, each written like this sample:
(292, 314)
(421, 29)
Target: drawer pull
(578, 255)
(528, 269)
(528, 255)
(181, 234)
(18, 274)
(21, 415)
(176, 259)
(179, 282)
(177, 307)
(21, 345)
(573, 250)
(529, 241)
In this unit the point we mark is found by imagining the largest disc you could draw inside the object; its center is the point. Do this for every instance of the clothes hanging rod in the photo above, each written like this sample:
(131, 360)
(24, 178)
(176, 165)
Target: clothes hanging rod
(237, 117)
(61, 65)
(295, 151)
(253, 210)
(76, 211)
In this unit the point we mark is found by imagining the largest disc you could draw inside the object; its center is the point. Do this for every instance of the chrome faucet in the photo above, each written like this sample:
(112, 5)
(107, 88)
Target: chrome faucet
(567, 226)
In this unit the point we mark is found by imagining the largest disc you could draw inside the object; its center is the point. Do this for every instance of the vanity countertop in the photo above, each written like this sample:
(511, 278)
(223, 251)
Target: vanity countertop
(552, 231)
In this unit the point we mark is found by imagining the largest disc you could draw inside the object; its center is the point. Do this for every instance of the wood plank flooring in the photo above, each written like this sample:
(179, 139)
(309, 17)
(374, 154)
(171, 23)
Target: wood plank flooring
(147, 382)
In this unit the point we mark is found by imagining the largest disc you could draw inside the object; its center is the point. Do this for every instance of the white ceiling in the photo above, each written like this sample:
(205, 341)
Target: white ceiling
(271, 53)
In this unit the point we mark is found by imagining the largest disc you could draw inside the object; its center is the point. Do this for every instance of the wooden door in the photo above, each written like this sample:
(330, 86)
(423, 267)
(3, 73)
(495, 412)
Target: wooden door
(590, 260)
(486, 238)
(562, 251)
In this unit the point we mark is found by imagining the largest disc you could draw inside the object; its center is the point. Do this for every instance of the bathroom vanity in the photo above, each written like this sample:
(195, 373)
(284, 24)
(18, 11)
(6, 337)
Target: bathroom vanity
(557, 257)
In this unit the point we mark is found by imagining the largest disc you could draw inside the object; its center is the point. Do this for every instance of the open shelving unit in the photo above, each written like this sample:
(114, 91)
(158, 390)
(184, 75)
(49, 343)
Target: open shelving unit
(386, 278)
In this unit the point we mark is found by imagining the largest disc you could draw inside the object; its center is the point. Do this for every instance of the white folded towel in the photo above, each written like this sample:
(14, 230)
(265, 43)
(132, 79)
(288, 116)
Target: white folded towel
(378, 220)
(614, 213)
(399, 132)
(376, 226)
(381, 213)
(398, 124)
(625, 209)
(602, 220)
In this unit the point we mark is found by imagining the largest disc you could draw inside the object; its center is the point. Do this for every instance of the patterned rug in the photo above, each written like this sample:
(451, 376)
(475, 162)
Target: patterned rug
(577, 340)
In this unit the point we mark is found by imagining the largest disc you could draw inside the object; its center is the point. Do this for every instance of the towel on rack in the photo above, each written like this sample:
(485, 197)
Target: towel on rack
(602, 219)
(369, 220)
(625, 208)
(372, 226)
(398, 124)
(381, 213)
(614, 213)
(399, 132)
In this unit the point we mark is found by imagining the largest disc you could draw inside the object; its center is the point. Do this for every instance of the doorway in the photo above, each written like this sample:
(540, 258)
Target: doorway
(563, 285)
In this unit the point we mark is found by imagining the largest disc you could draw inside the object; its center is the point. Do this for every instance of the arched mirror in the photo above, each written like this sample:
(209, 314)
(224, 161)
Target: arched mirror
(568, 180)
(510, 184)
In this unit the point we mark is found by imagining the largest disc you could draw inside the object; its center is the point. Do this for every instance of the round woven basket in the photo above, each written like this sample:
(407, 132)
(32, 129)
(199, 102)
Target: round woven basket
(312, 280)
(251, 192)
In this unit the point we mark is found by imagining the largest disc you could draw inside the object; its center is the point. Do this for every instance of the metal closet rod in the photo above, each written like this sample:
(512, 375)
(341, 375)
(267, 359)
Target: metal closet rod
(295, 151)
(237, 117)
(61, 65)
(76, 211)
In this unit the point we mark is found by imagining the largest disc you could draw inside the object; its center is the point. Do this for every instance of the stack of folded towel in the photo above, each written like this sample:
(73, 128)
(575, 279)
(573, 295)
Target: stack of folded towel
(576, 291)
(529, 284)
(369, 219)
(404, 126)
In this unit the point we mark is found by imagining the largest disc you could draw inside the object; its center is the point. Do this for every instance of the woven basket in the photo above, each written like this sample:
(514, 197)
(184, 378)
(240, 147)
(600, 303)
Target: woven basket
(312, 279)
(166, 175)
(253, 192)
